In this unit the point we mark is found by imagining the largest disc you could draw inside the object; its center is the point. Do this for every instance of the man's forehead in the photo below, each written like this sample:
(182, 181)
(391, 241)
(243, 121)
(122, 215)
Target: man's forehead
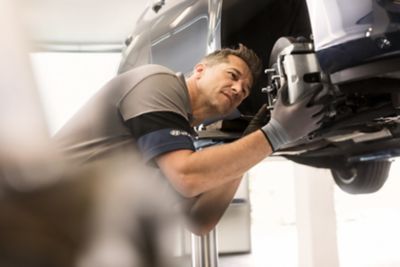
(240, 65)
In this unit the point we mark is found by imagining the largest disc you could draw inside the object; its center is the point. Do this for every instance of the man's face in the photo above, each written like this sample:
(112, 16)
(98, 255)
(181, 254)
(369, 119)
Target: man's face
(225, 85)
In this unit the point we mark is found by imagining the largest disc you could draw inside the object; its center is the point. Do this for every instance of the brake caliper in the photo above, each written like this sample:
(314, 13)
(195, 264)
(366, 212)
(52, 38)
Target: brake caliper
(294, 62)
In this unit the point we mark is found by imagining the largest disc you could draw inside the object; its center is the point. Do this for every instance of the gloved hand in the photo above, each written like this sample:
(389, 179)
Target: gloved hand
(290, 122)
(259, 120)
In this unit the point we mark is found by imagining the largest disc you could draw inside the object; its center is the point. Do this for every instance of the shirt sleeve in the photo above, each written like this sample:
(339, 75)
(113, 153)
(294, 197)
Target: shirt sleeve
(156, 93)
(157, 133)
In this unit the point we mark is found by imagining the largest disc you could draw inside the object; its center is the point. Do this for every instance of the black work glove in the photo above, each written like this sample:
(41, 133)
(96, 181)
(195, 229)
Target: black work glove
(290, 122)
(259, 120)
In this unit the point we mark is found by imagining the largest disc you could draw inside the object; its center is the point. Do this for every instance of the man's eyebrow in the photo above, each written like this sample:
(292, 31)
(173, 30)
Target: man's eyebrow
(236, 70)
(241, 75)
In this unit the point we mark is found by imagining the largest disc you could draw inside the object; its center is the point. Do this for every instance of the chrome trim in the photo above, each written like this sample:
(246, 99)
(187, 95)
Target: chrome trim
(214, 25)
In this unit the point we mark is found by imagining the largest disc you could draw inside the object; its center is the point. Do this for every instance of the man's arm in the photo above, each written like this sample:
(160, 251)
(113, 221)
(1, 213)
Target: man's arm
(193, 173)
(211, 174)
(204, 212)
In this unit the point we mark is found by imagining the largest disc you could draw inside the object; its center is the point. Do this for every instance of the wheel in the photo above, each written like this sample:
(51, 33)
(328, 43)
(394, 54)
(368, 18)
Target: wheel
(362, 177)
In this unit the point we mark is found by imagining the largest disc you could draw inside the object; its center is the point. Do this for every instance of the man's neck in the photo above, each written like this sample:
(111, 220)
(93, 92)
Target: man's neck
(200, 109)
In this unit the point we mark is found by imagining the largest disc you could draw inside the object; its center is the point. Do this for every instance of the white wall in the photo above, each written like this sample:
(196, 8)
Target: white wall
(368, 225)
(368, 232)
(67, 80)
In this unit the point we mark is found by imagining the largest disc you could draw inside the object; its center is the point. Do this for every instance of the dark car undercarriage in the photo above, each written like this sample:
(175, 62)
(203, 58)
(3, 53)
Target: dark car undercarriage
(360, 131)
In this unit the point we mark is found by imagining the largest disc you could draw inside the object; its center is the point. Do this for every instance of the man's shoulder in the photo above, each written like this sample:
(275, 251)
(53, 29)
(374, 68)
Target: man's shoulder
(151, 69)
(142, 79)
(158, 89)
(156, 79)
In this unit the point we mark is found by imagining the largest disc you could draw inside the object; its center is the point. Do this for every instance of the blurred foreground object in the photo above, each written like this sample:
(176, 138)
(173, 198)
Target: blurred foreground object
(24, 140)
(99, 216)
(54, 213)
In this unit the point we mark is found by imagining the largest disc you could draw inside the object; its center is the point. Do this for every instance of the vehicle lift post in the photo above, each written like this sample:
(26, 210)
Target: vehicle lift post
(205, 250)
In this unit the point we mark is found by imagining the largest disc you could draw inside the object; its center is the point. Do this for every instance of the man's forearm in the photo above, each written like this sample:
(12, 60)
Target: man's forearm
(193, 173)
(205, 211)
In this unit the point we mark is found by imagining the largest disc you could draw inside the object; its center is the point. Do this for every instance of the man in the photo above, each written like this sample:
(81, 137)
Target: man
(152, 110)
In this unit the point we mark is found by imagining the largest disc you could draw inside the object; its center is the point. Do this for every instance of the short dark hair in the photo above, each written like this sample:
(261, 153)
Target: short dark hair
(246, 54)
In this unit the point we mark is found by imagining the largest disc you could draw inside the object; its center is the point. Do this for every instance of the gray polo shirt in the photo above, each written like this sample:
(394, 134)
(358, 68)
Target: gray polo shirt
(145, 110)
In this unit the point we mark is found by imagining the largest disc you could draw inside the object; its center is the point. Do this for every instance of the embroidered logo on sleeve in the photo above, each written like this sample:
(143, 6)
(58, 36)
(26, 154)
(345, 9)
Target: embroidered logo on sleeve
(179, 133)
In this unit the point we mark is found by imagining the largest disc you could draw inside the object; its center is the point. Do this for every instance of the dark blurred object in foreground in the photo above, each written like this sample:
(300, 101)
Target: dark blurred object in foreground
(97, 216)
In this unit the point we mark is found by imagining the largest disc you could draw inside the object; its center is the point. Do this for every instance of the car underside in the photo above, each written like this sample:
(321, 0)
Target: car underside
(360, 131)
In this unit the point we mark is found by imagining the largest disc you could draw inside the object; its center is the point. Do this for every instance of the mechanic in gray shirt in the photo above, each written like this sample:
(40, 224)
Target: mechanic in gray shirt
(150, 111)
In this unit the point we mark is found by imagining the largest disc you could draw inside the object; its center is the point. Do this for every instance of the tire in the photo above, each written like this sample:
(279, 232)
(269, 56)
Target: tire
(363, 177)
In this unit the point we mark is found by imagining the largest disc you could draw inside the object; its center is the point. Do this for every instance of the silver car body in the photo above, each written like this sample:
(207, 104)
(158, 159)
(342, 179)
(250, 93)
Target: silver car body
(177, 36)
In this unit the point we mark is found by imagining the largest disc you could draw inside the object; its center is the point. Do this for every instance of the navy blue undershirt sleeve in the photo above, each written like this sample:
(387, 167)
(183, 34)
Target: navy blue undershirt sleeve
(159, 132)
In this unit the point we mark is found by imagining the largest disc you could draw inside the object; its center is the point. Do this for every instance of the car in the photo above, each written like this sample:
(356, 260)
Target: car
(351, 49)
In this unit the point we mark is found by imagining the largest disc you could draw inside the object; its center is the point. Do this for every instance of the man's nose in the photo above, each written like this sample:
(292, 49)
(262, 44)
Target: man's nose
(238, 89)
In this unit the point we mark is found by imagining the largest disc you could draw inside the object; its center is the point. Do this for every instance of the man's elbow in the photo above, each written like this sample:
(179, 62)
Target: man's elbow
(202, 224)
(187, 187)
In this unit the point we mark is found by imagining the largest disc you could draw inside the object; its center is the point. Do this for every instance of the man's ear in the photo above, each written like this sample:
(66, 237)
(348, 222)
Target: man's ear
(199, 70)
